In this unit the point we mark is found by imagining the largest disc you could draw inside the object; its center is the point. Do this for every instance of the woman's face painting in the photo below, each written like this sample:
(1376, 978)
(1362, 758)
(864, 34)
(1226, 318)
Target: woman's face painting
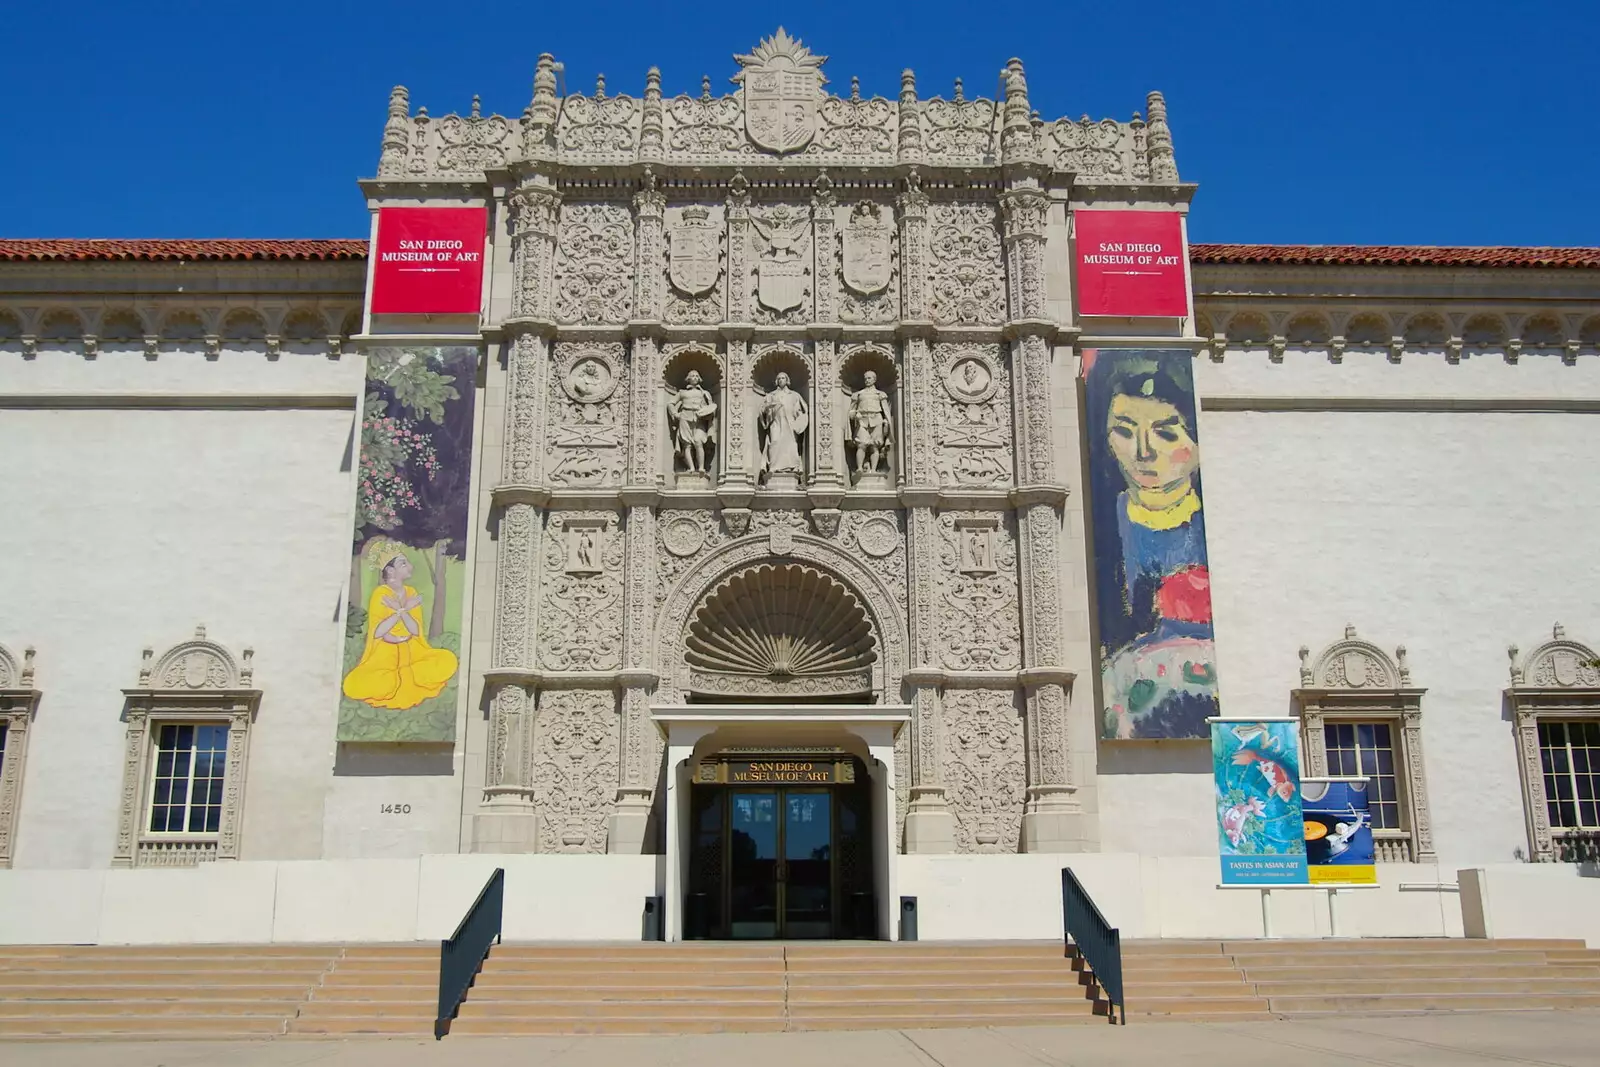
(1151, 442)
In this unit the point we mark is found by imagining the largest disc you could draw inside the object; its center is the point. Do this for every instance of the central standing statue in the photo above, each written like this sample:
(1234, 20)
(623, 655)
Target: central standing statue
(782, 420)
(873, 425)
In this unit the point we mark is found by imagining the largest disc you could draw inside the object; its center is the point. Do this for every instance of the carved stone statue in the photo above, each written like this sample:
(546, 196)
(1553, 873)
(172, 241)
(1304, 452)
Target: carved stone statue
(694, 423)
(872, 426)
(782, 421)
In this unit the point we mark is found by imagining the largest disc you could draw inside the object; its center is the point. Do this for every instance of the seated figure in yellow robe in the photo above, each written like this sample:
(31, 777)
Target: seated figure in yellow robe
(398, 668)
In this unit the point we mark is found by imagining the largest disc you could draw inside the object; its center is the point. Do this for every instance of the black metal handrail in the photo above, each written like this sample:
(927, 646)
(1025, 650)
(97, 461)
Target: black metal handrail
(462, 956)
(1097, 941)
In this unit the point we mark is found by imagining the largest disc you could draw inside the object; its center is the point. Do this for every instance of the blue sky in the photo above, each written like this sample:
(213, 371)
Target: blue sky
(1370, 123)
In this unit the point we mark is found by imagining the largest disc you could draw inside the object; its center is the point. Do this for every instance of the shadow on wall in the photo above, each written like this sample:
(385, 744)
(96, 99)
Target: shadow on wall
(393, 759)
(1155, 757)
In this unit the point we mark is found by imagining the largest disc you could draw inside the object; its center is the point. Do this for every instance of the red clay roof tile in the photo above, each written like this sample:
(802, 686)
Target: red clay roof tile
(152, 250)
(1395, 256)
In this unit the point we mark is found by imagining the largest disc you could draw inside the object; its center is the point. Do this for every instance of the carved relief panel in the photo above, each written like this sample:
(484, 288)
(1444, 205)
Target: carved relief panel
(984, 771)
(588, 423)
(972, 431)
(695, 263)
(580, 619)
(868, 262)
(878, 540)
(966, 272)
(780, 259)
(594, 263)
(979, 626)
(575, 768)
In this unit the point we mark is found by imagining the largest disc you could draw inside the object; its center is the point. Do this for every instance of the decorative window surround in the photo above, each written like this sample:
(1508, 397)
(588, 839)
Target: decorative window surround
(196, 681)
(1558, 681)
(1356, 681)
(18, 701)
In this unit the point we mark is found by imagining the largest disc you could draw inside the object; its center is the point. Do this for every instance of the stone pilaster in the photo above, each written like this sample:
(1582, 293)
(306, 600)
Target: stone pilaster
(826, 474)
(734, 464)
(913, 204)
(650, 207)
(535, 208)
(930, 826)
(824, 242)
(630, 817)
(646, 378)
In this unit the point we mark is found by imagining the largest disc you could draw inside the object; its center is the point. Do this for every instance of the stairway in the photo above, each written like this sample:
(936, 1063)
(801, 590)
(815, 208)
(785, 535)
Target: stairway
(706, 987)
(1239, 980)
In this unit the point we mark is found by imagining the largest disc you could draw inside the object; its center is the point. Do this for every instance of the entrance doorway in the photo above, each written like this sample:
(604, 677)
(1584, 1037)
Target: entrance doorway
(780, 862)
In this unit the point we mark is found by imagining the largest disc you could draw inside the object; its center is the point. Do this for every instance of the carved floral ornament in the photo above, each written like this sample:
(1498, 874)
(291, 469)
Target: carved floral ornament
(196, 664)
(779, 109)
(1352, 663)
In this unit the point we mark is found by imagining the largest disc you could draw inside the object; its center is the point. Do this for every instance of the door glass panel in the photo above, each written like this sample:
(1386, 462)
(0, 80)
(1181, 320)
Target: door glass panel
(753, 865)
(807, 854)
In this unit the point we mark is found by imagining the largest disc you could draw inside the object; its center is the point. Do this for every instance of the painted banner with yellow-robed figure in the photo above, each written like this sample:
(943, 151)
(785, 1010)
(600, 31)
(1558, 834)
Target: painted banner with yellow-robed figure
(408, 577)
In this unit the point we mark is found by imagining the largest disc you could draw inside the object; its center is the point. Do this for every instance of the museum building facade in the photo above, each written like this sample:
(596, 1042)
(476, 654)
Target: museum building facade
(781, 528)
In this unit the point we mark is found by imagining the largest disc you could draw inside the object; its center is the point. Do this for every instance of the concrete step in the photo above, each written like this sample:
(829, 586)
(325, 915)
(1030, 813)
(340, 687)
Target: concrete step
(1491, 985)
(183, 951)
(144, 1026)
(619, 1025)
(348, 1026)
(1460, 960)
(47, 994)
(164, 965)
(919, 1021)
(369, 1009)
(356, 995)
(579, 1009)
(586, 967)
(1341, 972)
(537, 980)
(1201, 1005)
(496, 994)
(222, 1009)
(854, 979)
(636, 950)
(1165, 990)
(1401, 1003)
(811, 999)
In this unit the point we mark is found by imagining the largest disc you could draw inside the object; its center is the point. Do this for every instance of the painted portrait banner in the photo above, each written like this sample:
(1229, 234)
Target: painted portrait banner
(408, 566)
(1158, 670)
(1260, 825)
(1339, 845)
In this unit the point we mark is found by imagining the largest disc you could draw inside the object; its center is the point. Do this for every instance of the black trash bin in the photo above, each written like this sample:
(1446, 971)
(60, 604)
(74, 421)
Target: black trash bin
(697, 917)
(908, 918)
(654, 929)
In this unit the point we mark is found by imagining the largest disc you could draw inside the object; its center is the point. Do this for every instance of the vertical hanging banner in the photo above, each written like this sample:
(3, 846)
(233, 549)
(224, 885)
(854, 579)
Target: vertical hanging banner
(1131, 263)
(1152, 581)
(428, 261)
(408, 571)
(1338, 828)
(1260, 825)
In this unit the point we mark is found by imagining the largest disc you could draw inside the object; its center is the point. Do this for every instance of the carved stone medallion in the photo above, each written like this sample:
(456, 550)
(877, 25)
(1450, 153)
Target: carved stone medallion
(683, 536)
(589, 381)
(970, 381)
(878, 537)
(781, 540)
(782, 88)
(865, 246)
(692, 262)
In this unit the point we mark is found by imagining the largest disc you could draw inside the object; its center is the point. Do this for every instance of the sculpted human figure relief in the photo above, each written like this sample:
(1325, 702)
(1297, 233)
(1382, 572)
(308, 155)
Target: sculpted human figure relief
(782, 424)
(872, 428)
(694, 428)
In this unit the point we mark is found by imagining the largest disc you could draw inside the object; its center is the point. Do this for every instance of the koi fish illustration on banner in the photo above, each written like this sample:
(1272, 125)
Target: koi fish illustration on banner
(1157, 656)
(408, 561)
(1260, 823)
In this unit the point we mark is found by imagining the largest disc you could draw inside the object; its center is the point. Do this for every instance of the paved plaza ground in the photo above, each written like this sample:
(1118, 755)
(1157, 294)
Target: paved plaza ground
(1564, 1039)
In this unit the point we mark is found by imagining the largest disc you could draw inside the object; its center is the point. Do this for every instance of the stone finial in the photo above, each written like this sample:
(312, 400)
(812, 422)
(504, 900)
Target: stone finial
(1512, 653)
(599, 86)
(1349, 631)
(651, 118)
(477, 106)
(146, 661)
(855, 88)
(960, 92)
(1558, 632)
(705, 87)
(247, 668)
(396, 132)
(539, 120)
(1016, 135)
(200, 632)
(1158, 141)
(1405, 668)
(26, 679)
(1306, 677)
(910, 141)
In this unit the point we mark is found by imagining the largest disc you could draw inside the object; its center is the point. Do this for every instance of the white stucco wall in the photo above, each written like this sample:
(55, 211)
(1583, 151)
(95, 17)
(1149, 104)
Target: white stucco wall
(1452, 532)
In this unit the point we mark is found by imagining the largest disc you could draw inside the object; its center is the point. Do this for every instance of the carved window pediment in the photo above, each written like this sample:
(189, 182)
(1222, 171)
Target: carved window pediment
(18, 700)
(196, 682)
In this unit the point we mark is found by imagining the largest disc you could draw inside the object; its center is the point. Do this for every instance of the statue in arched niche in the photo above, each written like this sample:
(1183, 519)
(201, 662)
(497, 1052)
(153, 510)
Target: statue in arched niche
(871, 427)
(782, 422)
(694, 424)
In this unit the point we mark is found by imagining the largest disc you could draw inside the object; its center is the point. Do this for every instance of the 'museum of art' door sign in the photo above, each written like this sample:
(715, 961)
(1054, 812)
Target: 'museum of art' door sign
(1158, 674)
(1131, 263)
(402, 639)
(1261, 828)
(428, 261)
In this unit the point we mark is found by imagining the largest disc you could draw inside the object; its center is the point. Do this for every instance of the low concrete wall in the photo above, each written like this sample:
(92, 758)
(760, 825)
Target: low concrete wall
(601, 898)
(1532, 900)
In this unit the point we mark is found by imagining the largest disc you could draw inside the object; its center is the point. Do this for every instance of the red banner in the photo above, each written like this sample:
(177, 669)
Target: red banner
(429, 261)
(1131, 263)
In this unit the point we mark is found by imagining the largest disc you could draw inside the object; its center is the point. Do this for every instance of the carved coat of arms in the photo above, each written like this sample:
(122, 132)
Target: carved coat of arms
(782, 87)
(865, 243)
(692, 252)
(783, 266)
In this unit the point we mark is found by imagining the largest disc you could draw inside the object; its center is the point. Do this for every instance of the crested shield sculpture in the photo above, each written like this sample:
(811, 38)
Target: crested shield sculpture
(782, 83)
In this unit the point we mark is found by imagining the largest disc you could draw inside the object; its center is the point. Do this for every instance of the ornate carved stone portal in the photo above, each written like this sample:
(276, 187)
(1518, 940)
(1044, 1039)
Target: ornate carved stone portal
(781, 387)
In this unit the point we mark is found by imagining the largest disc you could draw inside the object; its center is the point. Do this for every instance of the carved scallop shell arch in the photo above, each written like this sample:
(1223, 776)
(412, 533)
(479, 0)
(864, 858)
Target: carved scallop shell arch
(1351, 663)
(780, 628)
(710, 573)
(197, 663)
(1559, 663)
